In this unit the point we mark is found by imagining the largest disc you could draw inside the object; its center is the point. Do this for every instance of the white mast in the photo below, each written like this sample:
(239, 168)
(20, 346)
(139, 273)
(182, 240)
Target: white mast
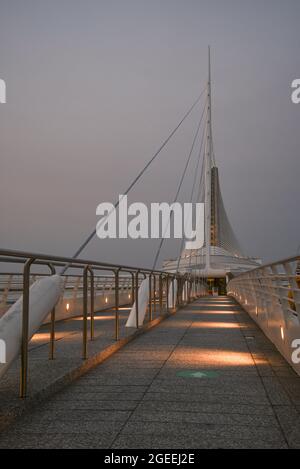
(208, 148)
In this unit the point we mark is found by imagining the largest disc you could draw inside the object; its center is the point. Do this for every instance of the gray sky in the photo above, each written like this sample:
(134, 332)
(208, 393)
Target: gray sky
(93, 87)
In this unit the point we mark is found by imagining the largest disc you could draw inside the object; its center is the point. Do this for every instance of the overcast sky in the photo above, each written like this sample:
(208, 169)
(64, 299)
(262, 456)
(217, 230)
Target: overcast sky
(94, 87)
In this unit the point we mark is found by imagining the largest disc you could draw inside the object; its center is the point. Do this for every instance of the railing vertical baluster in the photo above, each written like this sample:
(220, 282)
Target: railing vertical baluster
(173, 294)
(25, 323)
(92, 304)
(137, 298)
(52, 324)
(132, 288)
(154, 294)
(167, 293)
(85, 313)
(160, 294)
(150, 297)
(117, 331)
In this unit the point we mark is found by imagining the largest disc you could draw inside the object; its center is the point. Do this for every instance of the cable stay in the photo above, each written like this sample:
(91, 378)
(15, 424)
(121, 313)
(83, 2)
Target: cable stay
(179, 186)
(200, 155)
(136, 179)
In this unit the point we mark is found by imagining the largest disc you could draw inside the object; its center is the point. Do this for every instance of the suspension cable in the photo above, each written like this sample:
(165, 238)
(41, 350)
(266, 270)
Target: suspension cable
(92, 234)
(179, 187)
(191, 197)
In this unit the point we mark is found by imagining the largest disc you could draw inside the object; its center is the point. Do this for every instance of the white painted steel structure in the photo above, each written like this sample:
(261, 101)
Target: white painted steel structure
(221, 254)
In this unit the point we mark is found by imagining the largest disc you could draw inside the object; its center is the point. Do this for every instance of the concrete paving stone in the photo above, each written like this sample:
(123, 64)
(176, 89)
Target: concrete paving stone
(203, 418)
(208, 344)
(149, 354)
(208, 364)
(207, 397)
(118, 367)
(265, 370)
(222, 377)
(115, 379)
(61, 426)
(90, 405)
(284, 372)
(140, 347)
(203, 407)
(123, 380)
(294, 437)
(206, 385)
(275, 391)
(95, 388)
(275, 359)
(171, 367)
(291, 385)
(79, 414)
(106, 374)
(289, 420)
(241, 432)
(192, 442)
(57, 441)
(104, 396)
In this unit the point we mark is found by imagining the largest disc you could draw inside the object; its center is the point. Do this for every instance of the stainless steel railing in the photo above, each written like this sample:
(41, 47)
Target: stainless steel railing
(84, 284)
(271, 295)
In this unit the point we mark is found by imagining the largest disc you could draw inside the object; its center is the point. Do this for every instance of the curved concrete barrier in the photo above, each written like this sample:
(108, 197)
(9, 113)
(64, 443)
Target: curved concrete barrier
(172, 296)
(142, 302)
(43, 296)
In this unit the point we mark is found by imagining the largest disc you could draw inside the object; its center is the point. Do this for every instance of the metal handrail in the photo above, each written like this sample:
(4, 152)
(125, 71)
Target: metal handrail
(271, 295)
(282, 261)
(74, 263)
(88, 268)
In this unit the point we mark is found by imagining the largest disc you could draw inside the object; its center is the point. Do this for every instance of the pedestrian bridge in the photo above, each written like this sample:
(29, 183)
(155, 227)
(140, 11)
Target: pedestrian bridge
(205, 377)
(94, 354)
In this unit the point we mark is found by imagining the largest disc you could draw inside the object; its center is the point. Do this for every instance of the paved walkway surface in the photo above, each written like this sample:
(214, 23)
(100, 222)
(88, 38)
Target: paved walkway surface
(43, 372)
(206, 377)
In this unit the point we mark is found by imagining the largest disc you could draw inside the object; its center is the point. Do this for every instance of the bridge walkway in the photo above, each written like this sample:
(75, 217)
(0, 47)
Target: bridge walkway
(206, 377)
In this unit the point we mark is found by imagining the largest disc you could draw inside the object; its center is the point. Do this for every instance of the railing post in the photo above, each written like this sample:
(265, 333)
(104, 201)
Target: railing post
(132, 288)
(92, 303)
(25, 323)
(160, 294)
(137, 298)
(52, 324)
(117, 331)
(182, 291)
(178, 290)
(167, 293)
(173, 294)
(154, 293)
(150, 297)
(85, 312)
